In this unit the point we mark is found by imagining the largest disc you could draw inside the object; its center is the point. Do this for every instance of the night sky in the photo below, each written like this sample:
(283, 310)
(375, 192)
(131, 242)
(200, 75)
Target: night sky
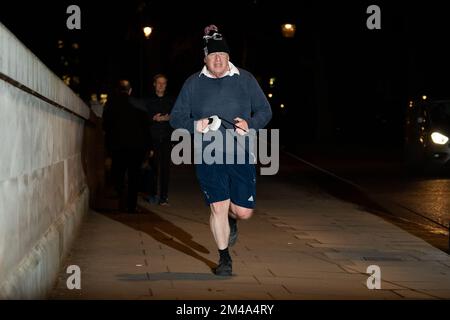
(338, 80)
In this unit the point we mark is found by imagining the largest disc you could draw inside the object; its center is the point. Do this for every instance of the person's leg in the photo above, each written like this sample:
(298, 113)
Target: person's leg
(242, 194)
(214, 183)
(240, 213)
(135, 158)
(154, 163)
(221, 232)
(219, 223)
(118, 170)
(236, 213)
(144, 179)
(118, 174)
(164, 169)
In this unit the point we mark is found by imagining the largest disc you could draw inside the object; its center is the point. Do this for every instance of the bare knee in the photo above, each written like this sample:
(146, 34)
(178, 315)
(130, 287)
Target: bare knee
(242, 213)
(220, 207)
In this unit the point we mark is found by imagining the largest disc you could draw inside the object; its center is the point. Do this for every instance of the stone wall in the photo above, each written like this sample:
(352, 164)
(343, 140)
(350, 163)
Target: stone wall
(43, 190)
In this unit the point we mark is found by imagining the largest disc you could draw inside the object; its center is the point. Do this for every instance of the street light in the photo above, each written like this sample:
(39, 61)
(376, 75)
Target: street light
(288, 30)
(147, 32)
(272, 82)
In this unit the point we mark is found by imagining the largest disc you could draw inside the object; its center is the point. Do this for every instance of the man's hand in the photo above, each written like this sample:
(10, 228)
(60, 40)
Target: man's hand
(202, 124)
(165, 117)
(158, 117)
(241, 123)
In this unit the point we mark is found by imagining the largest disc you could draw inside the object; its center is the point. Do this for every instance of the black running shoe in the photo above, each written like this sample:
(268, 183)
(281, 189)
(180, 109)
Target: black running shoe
(233, 231)
(224, 268)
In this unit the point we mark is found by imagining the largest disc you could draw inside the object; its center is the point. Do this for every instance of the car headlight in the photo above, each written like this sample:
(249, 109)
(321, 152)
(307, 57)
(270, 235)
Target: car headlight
(439, 138)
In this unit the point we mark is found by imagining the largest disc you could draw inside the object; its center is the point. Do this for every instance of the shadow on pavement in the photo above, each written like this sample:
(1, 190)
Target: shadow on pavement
(163, 231)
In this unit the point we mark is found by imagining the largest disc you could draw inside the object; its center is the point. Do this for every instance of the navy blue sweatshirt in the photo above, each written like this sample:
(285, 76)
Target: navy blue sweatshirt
(228, 97)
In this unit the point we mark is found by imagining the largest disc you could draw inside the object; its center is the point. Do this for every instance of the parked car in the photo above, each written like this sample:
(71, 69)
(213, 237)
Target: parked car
(427, 133)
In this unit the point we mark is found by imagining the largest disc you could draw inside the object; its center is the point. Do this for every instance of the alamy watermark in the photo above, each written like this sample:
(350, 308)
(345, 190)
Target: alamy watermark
(228, 148)
(74, 20)
(374, 281)
(74, 280)
(374, 20)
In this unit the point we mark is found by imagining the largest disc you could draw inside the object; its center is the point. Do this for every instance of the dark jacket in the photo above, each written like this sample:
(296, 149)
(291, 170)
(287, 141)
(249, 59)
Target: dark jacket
(125, 125)
(163, 105)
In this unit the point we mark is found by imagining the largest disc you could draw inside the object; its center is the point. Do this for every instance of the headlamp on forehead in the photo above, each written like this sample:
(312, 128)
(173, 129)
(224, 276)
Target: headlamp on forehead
(214, 36)
(214, 41)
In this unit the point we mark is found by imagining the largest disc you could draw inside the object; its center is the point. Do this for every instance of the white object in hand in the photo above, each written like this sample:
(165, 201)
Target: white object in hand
(214, 123)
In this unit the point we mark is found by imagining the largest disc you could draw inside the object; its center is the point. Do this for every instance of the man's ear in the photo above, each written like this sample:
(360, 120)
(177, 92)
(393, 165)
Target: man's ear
(204, 59)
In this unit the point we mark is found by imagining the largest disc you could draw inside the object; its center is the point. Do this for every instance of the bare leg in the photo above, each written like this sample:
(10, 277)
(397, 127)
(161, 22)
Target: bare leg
(219, 223)
(238, 212)
(231, 213)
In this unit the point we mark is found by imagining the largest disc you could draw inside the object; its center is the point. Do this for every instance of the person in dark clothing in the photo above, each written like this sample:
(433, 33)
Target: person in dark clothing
(159, 107)
(128, 139)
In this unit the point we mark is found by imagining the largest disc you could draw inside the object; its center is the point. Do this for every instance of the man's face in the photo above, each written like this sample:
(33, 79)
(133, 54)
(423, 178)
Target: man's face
(160, 85)
(217, 63)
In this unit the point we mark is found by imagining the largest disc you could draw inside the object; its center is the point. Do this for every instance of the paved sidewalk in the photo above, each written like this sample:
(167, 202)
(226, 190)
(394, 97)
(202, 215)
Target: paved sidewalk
(300, 244)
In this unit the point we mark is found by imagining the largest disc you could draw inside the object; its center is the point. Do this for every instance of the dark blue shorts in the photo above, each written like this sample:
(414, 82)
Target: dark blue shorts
(220, 182)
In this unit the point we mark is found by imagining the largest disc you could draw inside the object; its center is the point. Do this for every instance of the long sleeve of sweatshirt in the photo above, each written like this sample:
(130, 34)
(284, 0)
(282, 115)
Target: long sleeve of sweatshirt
(261, 112)
(181, 116)
(228, 97)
